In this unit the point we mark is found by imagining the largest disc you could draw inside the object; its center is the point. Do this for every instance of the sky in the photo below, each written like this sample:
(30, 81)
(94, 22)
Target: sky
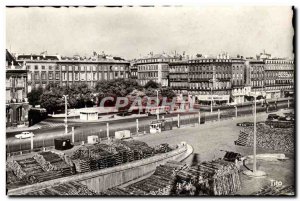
(133, 32)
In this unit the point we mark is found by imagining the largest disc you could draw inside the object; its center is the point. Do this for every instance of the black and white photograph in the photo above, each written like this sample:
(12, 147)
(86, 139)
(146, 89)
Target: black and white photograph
(152, 101)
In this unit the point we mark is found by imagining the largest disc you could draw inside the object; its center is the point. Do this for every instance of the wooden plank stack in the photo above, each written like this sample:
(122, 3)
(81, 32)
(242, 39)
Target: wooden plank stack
(275, 191)
(217, 177)
(279, 139)
(65, 189)
(51, 161)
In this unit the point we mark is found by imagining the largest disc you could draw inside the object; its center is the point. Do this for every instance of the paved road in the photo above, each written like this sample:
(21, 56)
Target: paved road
(45, 136)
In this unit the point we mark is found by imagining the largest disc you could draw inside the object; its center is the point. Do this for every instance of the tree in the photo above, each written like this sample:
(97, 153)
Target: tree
(168, 92)
(52, 100)
(34, 96)
(115, 88)
(152, 84)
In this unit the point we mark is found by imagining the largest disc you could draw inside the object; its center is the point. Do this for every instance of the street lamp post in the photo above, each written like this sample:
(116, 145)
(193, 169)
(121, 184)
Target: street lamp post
(66, 114)
(254, 172)
(254, 138)
(157, 109)
(211, 102)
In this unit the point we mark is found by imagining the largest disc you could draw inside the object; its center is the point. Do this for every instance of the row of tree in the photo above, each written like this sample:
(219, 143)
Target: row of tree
(81, 95)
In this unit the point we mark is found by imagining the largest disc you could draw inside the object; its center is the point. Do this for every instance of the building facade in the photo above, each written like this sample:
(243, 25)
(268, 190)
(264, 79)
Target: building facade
(178, 76)
(279, 77)
(17, 105)
(210, 79)
(44, 70)
(240, 81)
(133, 71)
(155, 68)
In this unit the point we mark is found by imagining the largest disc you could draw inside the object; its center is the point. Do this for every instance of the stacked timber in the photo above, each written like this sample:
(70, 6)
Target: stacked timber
(65, 189)
(140, 149)
(217, 177)
(82, 165)
(279, 139)
(162, 148)
(51, 161)
(160, 183)
(275, 191)
(16, 168)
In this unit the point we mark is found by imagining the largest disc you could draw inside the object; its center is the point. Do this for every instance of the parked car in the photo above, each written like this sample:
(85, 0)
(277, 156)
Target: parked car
(24, 134)
(272, 116)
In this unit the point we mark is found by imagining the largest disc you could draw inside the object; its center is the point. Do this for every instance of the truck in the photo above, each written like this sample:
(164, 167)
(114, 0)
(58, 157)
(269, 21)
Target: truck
(124, 134)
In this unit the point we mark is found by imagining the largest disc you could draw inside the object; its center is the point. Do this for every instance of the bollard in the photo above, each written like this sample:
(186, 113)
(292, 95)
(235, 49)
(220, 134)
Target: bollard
(199, 118)
(107, 130)
(73, 135)
(137, 126)
(218, 114)
(178, 120)
(31, 142)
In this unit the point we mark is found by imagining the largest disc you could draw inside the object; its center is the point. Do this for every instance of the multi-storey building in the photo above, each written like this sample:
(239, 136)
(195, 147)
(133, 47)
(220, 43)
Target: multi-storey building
(240, 82)
(255, 69)
(178, 76)
(210, 79)
(16, 93)
(133, 72)
(75, 71)
(154, 67)
(43, 70)
(279, 77)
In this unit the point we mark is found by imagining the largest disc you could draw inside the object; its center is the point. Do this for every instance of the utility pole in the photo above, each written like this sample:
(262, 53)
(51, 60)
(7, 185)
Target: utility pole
(66, 114)
(157, 109)
(254, 137)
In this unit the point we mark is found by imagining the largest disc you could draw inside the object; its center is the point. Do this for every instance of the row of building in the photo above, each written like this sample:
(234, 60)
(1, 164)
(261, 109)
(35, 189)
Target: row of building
(222, 78)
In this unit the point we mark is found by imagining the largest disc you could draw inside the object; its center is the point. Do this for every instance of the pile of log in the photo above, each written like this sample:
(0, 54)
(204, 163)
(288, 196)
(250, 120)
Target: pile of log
(217, 177)
(275, 191)
(65, 189)
(30, 166)
(160, 183)
(82, 165)
(11, 178)
(279, 139)
(162, 148)
(140, 149)
(16, 168)
(51, 161)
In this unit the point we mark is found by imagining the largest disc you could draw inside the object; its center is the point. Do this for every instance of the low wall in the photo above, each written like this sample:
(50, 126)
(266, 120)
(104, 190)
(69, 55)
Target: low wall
(106, 178)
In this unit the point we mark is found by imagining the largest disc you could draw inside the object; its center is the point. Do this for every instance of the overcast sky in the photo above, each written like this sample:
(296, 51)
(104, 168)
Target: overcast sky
(131, 32)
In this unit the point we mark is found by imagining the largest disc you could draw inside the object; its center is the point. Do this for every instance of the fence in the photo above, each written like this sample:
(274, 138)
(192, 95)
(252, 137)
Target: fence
(144, 127)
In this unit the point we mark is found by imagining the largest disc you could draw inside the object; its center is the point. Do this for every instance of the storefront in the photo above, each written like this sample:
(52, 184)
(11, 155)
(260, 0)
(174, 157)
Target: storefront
(217, 99)
(272, 94)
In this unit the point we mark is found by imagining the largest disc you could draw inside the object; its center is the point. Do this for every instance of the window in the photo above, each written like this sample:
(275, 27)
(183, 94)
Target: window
(70, 68)
(70, 76)
(76, 68)
(63, 68)
(89, 76)
(43, 67)
(50, 67)
(36, 76)
(94, 76)
(88, 68)
(29, 76)
(36, 67)
(64, 76)
(50, 75)
(76, 76)
(57, 76)
(82, 68)
(116, 74)
(57, 68)
(27, 67)
(82, 76)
